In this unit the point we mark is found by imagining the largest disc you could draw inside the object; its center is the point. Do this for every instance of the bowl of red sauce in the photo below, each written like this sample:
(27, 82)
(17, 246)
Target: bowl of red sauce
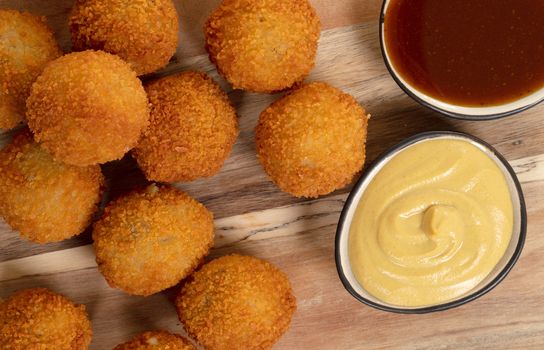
(467, 59)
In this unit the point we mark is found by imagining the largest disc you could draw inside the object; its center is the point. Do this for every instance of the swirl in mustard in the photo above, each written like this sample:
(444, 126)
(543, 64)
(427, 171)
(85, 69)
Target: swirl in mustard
(432, 224)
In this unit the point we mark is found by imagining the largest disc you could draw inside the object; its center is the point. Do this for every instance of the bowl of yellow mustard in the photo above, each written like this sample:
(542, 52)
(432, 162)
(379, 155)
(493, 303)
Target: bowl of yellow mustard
(435, 222)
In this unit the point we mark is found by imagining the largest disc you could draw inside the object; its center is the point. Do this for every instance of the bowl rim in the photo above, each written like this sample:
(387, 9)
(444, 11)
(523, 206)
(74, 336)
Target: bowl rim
(408, 90)
(451, 304)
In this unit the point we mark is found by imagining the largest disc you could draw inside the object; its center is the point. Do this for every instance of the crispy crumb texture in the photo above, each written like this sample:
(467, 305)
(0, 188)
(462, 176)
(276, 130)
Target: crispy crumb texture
(312, 141)
(26, 46)
(88, 108)
(237, 302)
(192, 130)
(156, 340)
(46, 200)
(142, 32)
(149, 240)
(263, 45)
(39, 319)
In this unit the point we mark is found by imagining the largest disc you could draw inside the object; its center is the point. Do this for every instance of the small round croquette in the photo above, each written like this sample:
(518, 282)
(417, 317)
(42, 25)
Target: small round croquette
(156, 340)
(142, 32)
(236, 302)
(26, 46)
(263, 45)
(193, 127)
(149, 240)
(312, 141)
(46, 200)
(88, 108)
(38, 318)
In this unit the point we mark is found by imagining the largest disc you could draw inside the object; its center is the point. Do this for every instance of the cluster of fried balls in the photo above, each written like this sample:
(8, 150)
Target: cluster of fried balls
(90, 107)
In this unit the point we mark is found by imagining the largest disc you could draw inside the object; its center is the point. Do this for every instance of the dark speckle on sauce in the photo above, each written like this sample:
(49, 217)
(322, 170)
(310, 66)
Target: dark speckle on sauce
(468, 52)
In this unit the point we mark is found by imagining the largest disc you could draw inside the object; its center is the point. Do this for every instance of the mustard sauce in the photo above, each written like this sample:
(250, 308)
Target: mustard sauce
(432, 224)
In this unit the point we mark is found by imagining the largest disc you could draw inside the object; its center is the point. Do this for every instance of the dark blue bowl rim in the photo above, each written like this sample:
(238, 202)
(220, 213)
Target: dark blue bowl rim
(456, 303)
(450, 114)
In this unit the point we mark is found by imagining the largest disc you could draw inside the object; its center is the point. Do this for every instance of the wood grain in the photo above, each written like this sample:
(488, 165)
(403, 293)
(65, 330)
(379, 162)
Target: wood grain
(508, 318)
(231, 231)
(243, 187)
(254, 217)
(270, 223)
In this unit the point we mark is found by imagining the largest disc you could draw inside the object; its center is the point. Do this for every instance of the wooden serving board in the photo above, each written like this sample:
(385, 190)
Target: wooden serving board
(255, 218)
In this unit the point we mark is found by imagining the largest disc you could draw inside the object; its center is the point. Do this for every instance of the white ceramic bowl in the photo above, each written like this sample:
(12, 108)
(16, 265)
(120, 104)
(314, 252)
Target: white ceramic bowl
(493, 279)
(451, 110)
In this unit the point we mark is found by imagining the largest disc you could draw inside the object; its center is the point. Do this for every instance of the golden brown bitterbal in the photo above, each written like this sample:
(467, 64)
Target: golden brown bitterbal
(151, 239)
(88, 108)
(263, 45)
(312, 141)
(193, 128)
(44, 199)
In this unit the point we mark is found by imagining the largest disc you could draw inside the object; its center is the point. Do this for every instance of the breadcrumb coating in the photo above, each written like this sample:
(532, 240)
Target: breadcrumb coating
(193, 128)
(39, 319)
(142, 32)
(26, 46)
(150, 240)
(237, 302)
(46, 200)
(263, 45)
(312, 141)
(156, 340)
(88, 108)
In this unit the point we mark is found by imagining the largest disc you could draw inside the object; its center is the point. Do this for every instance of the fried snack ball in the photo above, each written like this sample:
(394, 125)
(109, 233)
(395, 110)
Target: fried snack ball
(263, 45)
(46, 200)
(193, 128)
(156, 340)
(312, 141)
(88, 108)
(149, 240)
(237, 302)
(38, 318)
(142, 32)
(26, 46)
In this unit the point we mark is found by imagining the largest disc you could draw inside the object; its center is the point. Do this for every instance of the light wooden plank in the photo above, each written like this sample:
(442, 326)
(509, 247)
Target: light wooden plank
(79, 258)
(271, 223)
(510, 317)
(529, 169)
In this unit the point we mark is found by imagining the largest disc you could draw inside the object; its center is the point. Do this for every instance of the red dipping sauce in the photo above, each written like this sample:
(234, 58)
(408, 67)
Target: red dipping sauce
(471, 53)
